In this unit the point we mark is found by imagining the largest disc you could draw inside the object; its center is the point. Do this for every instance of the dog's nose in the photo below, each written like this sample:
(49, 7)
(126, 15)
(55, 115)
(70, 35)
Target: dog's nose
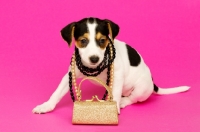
(94, 59)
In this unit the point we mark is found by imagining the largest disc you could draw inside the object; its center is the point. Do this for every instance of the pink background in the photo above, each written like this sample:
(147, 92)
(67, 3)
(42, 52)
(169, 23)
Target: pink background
(34, 58)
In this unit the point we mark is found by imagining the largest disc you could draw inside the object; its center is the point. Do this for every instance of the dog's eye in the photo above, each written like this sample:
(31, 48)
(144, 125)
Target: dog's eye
(102, 41)
(84, 42)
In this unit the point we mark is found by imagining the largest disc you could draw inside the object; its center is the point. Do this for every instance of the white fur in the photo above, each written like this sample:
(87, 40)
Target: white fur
(135, 83)
(91, 49)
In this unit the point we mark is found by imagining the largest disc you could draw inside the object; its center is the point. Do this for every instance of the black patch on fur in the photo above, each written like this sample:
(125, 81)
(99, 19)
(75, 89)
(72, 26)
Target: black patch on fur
(66, 32)
(91, 20)
(155, 88)
(102, 27)
(80, 28)
(114, 28)
(134, 57)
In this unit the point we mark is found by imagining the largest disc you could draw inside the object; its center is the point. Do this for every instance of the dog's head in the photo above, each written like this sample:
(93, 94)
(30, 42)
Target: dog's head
(91, 37)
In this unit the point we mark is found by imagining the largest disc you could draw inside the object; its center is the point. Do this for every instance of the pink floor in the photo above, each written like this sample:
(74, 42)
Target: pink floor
(34, 58)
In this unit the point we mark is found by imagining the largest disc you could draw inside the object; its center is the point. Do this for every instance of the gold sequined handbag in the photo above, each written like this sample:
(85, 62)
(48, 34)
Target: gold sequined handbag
(95, 112)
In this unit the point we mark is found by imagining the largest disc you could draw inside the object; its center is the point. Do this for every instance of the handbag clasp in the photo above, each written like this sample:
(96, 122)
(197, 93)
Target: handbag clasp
(93, 97)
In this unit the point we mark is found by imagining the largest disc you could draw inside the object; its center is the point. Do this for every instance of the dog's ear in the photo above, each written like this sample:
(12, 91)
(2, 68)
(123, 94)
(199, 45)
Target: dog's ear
(67, 33)
(113, 29)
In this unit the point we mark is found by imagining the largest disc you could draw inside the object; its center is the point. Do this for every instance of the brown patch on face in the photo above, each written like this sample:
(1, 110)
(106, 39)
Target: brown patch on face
(98, 35)
(102, 41)
(82, 41)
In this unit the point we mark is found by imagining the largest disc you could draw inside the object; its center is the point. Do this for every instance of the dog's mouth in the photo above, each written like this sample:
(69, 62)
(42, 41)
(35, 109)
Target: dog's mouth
(93, 65)
(90, 64)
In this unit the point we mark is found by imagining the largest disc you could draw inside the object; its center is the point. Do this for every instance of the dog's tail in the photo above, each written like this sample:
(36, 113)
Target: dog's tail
(161, 91)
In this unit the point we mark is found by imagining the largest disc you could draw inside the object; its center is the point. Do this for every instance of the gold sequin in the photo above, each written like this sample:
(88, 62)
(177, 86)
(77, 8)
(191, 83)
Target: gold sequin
(95, 112)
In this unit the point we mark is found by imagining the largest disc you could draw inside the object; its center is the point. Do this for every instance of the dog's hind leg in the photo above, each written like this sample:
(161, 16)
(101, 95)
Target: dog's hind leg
(133, 98)
(137, 95)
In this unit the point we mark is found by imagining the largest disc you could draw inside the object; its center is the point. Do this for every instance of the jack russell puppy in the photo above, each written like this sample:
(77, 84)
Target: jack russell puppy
(132, 81)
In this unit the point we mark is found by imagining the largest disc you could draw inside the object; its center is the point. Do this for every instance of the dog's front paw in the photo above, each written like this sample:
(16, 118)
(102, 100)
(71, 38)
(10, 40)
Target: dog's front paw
(43, 108)
(124, 102)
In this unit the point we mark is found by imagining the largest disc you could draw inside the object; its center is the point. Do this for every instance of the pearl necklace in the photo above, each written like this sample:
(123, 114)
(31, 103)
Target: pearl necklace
(72, 75)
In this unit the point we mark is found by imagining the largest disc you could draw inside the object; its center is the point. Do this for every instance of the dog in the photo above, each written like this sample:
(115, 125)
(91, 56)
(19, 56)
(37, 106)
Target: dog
(132, 78)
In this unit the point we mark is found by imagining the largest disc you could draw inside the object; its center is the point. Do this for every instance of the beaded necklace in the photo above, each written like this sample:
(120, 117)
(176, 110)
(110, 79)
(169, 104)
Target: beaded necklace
(107, 62)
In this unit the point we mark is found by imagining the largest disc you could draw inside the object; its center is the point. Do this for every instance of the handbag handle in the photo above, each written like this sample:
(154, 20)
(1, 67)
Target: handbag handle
(98, 81)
